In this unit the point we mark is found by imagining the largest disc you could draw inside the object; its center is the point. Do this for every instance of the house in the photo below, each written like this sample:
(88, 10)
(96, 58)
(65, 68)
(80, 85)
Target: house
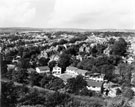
(75, 71)
(10, 67)
(111, 87)
(81, 72)
(30, 70)
(18, 57)
(43, 69)
(94, 85)
(65, 77)
(54, 57)
(71, 70)
(96, 77)
(56, 71)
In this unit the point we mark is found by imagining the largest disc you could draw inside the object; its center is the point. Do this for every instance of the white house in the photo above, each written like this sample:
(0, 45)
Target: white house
(10, 67)
(56, 71)
(81, 72)
(43, 69)
(71, 70)
(96, 77)
(75, 71)
(94, 85)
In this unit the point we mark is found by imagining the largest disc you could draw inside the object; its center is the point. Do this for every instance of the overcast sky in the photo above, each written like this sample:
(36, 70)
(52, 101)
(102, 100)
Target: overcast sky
(90, 14)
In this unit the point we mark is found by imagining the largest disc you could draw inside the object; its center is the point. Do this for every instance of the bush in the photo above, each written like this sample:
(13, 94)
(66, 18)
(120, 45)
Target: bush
(128, 93)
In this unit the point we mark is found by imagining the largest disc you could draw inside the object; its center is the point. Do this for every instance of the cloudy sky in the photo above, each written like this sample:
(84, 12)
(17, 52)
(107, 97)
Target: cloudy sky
(90, 14)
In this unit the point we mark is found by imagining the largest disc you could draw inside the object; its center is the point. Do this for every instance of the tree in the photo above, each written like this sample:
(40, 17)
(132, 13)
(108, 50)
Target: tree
(119, 47)
(45, 80)
(111, 41)
(43, 61)
(33, 97)
(51, 82)
(23, 63)
(57, 99)
(20, 76)
(72, 50)
(128, 93)
(9, 95)
(74, 85)
(60, 48)
(86, 64)
(125, 73)
(114, 59)
(3, 69)
(56, 84)
(100, 48)
(86, 92)
(51, 65)
(118, 91)
(35, 78)
(62, 41)
(108, 71)
(65, 60)
(75, 61)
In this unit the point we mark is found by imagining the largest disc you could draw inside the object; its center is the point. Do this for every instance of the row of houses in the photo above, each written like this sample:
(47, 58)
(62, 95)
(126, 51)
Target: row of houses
(95, 82)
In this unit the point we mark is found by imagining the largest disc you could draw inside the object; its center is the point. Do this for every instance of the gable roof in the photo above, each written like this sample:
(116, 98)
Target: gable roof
(10, 66)
(56, 67)
(80, 71)
(71, 68)
(44, 68)
(91, 82)
(65, 76)
(31, 70)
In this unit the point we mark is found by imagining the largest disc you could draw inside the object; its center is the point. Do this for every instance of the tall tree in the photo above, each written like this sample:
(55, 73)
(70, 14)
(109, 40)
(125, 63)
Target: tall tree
(51, 65)
(125, 73)
(20, 76)
(75, 85)
(9, 95)
(65, 60)
(119, 47)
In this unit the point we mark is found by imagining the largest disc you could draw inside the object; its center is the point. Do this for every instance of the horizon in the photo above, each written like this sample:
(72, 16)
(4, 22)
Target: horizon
(33, 29)
(13, 27)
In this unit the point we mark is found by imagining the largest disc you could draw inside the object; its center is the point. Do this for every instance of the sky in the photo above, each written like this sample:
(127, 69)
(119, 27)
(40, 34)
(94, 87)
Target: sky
(86, 14)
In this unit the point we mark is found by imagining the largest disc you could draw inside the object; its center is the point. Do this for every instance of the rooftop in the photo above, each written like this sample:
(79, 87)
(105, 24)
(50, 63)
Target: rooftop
(94, 83)
(31, 70)
(65, 76)
(80, 71)
(72, 68)
(43, 68)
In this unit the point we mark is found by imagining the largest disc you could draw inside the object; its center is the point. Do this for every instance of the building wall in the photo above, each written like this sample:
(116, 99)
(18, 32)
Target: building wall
(94, 88)
(72, 72)
(56, 70)
(38, 70)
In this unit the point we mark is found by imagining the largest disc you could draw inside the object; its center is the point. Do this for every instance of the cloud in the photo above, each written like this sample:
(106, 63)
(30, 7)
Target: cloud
(68, 13)
(93, 14)
(14, 12)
